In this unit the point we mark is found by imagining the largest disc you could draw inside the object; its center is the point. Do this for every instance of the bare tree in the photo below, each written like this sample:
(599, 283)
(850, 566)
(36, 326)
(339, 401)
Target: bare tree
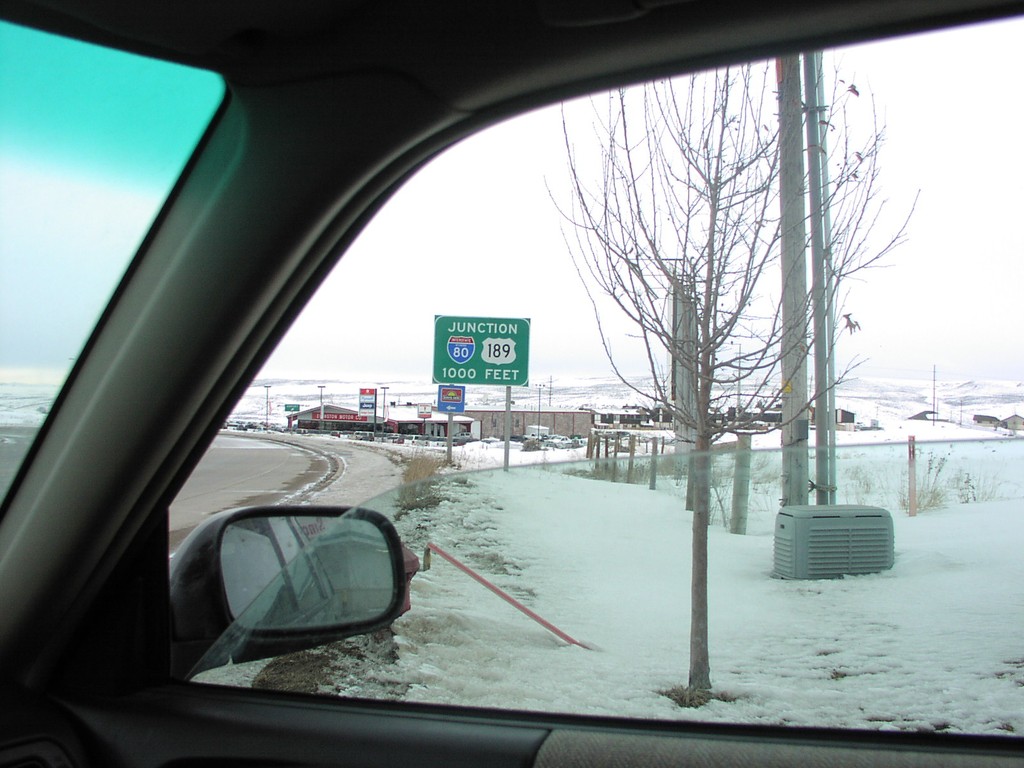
(679, 229)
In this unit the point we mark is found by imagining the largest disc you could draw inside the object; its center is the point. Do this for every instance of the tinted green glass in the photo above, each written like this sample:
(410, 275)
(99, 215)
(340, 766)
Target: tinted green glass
(91, 142)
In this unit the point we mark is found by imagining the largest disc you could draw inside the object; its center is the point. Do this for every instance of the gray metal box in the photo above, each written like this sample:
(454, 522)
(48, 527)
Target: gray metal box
(825, 542)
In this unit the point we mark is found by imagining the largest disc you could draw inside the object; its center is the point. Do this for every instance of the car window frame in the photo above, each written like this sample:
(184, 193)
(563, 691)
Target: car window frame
(143, 529)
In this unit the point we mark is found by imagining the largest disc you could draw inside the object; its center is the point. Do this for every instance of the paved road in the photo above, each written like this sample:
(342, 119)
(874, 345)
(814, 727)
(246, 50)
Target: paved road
(14, 444)
(367, 472)
(240, 470)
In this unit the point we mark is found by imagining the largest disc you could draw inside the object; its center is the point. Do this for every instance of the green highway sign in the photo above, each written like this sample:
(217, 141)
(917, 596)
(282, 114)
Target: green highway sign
(291, 407)
(482, 350)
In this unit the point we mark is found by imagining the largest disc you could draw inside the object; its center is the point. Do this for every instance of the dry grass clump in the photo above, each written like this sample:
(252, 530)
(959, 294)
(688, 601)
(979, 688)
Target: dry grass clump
(422, 466)
(420, 476)
(689, 698)
(692, 698)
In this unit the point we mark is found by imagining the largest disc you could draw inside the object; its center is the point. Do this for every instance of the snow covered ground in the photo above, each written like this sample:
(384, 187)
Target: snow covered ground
(933, 644)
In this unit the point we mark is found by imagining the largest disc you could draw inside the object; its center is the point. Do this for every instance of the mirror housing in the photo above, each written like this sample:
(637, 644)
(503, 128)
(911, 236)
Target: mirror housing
(256, 582)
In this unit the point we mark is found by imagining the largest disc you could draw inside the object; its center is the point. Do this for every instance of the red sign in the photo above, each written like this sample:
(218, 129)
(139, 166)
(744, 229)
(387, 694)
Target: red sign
(370, 392)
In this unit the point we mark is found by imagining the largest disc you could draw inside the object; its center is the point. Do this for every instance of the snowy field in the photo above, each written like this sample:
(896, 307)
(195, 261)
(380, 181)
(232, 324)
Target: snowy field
(934, 644)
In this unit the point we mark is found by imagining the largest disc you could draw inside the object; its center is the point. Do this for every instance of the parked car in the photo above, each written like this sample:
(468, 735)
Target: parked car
(557, 441)
(229, 170)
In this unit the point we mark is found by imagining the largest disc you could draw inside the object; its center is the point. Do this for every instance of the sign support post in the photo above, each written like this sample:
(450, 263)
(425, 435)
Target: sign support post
(911, 476)
(508, 423)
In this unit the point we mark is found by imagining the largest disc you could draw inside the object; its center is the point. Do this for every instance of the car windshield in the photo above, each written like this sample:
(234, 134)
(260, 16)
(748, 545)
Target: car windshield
(91, 143)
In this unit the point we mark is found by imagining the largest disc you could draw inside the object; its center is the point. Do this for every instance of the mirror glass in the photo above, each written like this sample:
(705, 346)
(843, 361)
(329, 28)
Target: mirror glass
(306, 572)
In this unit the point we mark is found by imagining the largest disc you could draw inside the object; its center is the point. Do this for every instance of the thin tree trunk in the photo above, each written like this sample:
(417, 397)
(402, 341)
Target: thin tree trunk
(700, 663)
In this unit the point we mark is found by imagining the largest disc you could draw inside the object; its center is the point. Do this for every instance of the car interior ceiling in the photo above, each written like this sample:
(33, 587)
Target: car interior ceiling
(471, 54)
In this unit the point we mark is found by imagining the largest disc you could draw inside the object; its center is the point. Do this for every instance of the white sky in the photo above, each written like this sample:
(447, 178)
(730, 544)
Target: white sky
(475, 233)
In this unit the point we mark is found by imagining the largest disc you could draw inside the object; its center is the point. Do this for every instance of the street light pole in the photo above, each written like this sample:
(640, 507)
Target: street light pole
(384, 407)
(266, 423)
(320, 424)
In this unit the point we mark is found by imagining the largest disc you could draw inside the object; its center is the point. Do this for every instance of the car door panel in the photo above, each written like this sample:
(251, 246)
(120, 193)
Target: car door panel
(197, 726)
(187, 726)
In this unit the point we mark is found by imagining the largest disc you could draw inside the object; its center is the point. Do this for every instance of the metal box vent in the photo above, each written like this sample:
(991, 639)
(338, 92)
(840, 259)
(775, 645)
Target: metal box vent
(825, 542)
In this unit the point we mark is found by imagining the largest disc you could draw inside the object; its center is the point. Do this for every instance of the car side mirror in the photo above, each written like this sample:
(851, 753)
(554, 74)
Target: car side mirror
(251, 583)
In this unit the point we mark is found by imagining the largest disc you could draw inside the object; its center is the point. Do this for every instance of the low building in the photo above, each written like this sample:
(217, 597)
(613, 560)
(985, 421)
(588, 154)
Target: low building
(557, 421)
(331, 418)
(1014, 423)
(627, 417)
(843, 418)
(412, 419)
(401, 419)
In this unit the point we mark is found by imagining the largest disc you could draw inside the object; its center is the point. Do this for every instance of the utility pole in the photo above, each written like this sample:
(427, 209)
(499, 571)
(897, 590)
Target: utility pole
(824, 408)
(683, 367)
(794, 286)
(266, 422)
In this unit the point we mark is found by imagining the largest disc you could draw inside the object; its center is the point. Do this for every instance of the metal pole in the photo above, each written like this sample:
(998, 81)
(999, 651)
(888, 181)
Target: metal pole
(508, 423)
(794, 286)
(911, 476)
(384, 406)
(830, 292)
(822, 383)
